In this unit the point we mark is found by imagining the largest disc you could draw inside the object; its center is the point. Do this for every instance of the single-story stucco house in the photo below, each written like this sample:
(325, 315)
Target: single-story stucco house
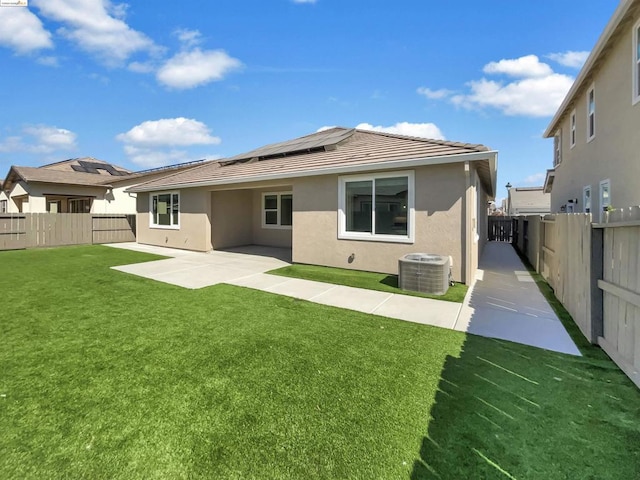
(341, 197)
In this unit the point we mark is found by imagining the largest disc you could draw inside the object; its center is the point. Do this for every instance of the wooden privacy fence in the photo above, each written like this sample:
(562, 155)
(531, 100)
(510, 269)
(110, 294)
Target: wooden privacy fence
(32, 230)
(594, 270)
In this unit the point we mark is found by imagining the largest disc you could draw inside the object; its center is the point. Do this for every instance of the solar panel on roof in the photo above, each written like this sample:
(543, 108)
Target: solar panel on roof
(310, 142)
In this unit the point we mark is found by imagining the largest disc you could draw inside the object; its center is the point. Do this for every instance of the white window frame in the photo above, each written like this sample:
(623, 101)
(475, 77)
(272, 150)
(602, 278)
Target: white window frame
(584, 199)
(606, 182)
(343, 234)
(572, 129)
(4, 206)
(172, 226)
(557, 148)
(635, 52)
(591, 135)
(278, 208)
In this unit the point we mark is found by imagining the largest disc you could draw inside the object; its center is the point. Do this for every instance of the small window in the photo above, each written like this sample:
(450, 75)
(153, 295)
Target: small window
(591, 114)
(586, 198)
(573, 128)
(376, 207)
(557, 148)
(3, 206)
(636, 63)
(277, 210)
(165, 210)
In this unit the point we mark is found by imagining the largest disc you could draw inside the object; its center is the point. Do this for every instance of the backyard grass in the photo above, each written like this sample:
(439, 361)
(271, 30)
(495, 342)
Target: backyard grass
(108, 375)
(369, 280)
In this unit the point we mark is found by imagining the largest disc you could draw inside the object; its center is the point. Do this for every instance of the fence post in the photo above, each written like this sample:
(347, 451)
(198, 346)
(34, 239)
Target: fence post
(597, 295)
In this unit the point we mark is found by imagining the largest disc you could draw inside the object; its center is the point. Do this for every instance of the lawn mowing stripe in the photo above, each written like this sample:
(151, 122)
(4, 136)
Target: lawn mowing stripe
(494, 464)
(507, 390)
(508, 371)
(494, 407)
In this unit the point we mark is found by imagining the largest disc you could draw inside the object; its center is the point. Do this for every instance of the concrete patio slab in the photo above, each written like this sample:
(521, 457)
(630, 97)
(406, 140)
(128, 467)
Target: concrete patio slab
(504, 302)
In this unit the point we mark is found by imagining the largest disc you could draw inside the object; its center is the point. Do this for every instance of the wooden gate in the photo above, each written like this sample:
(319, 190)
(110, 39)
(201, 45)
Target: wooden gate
(503, 229)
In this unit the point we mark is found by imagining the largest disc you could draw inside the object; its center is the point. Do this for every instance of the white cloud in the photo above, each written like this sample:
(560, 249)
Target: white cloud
(424, 130)
(192, 69)
(22, 31)
(537, 92)
(528, 66)
(169, 132)
(152, 143)
(188, 38)
(570, 58)
(325, 128)
(49, 61)
(434, 94)
(150, 158)
(535, 179)
(98, 27)
(40, 139)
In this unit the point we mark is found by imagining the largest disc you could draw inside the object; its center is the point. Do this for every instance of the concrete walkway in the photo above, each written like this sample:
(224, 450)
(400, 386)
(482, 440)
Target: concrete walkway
(504, 303)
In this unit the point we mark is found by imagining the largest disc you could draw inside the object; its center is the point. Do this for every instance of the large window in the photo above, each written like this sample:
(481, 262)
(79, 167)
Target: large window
(377, 207)
(636, 63)
(165, 210)
(277, 210)
(591, 114)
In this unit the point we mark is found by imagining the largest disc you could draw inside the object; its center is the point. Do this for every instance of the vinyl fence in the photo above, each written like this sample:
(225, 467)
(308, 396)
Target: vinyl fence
(32, 230)
(594, 270)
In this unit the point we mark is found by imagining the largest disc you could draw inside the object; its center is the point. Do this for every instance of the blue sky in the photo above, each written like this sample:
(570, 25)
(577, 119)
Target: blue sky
(144, 84)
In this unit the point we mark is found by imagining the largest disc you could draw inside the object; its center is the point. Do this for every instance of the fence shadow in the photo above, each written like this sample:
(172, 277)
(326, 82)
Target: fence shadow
(509, 411)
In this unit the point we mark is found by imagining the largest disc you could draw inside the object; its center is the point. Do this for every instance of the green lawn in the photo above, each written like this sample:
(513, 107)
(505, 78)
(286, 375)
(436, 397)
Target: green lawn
(108, 375)
(370, 280)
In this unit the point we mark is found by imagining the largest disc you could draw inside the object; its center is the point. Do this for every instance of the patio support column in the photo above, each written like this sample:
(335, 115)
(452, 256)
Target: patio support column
(468, 227)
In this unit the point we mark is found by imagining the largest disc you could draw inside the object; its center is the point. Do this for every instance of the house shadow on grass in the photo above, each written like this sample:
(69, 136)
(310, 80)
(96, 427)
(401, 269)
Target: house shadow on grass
(509, 411)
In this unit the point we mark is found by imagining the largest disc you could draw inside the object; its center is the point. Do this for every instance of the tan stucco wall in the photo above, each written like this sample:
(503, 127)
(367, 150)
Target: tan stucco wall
(439, 209)
(613, 153)
(231, 218)
(195, 224)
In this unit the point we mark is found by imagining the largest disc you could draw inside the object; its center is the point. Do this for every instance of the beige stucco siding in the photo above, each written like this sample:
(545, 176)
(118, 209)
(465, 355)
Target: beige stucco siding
(613, 153)
(194, 232)
(231, 218)
(439, 227)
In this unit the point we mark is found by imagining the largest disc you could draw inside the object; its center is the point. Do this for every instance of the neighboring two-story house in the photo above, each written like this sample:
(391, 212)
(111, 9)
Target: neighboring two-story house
(596, 130)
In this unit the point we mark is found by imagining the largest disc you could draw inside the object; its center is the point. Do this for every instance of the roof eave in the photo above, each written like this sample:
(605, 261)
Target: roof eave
(615, 20)
(490, 155)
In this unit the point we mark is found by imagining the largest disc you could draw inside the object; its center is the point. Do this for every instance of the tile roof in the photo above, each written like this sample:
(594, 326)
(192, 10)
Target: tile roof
(355, 148)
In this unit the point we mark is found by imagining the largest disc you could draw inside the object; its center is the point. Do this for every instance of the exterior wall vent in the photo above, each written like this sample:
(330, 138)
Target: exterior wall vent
(424, 272)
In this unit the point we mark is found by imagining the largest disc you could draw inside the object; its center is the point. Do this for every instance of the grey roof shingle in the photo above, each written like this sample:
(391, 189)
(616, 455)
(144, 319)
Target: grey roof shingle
(352, 148)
